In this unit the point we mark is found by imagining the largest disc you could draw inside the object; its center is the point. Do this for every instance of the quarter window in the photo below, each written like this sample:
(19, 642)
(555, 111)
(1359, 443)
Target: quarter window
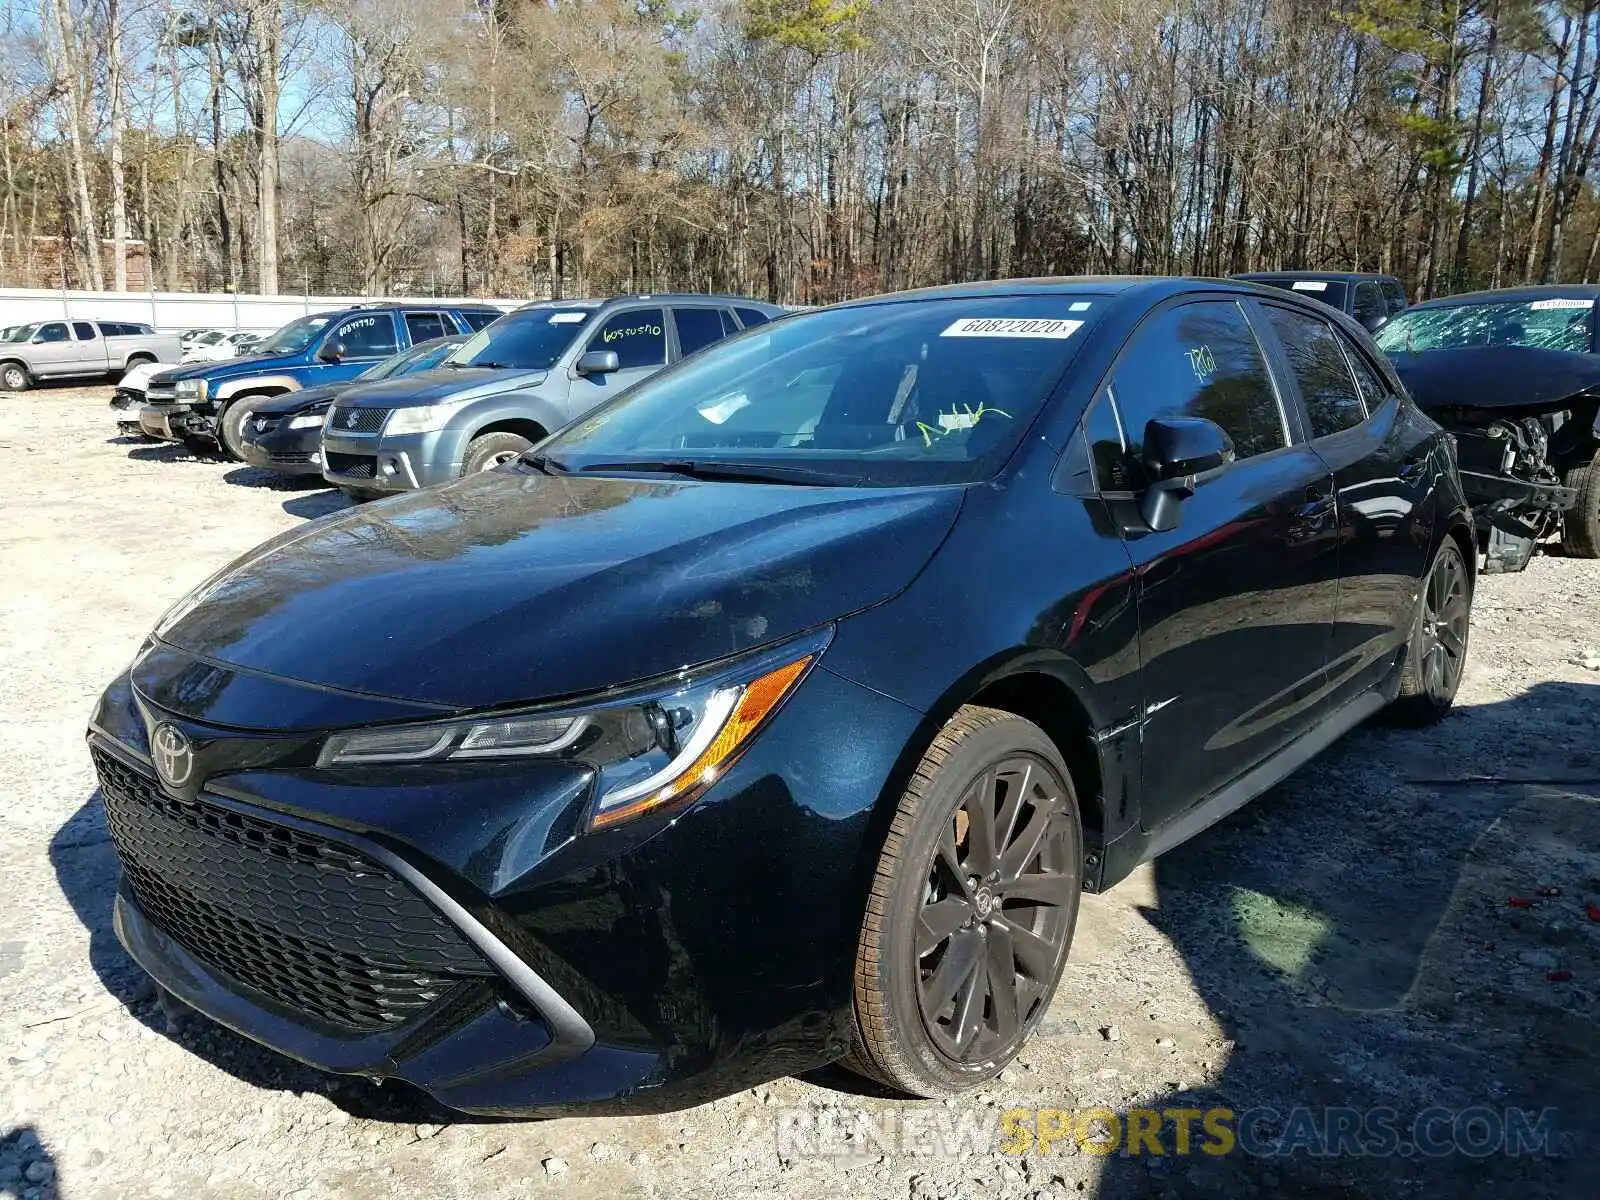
(752, 316)
(84, 330)
(1326, 385)
(638, 337)
(697, 328)
(475, 318)
(1198, 360)
(1370, 384)
(368, 337)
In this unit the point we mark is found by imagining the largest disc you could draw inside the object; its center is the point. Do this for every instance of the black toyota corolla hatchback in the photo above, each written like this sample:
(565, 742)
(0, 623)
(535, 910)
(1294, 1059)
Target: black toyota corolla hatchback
(780, 710)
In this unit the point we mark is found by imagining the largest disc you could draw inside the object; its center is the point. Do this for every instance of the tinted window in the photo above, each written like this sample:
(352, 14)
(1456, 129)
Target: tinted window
(1199, 360)
(84, 330)
(476, 318)
(1326, 385)
(295, 336)
(918, 391)
(1368, 304)
(697, 328)
(424, 327)
(1107, 455)
(1329, 291)
(637, 336)
(1552, 323)
(531, 339)
(752, 316)
(1394, 294)
(1370, 384)
(54, 332)
(367, 337)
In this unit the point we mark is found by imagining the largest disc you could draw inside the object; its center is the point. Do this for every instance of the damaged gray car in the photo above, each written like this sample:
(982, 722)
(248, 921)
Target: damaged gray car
(1515, 376)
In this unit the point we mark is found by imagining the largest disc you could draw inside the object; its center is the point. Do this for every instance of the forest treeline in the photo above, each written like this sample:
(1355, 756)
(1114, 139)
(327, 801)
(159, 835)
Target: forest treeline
(801, 150)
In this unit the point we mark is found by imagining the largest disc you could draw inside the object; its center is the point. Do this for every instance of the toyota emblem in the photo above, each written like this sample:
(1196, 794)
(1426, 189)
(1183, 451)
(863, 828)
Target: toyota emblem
(173, 755)
(350, 419)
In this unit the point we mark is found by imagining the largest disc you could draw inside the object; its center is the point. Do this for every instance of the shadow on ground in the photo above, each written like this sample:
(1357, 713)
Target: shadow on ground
(1352, 933)
(27, 1168)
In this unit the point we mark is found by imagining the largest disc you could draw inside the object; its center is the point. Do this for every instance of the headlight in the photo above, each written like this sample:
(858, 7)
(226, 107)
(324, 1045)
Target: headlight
(307, 420)
(654, 748)
(422, 418)
(190, 389)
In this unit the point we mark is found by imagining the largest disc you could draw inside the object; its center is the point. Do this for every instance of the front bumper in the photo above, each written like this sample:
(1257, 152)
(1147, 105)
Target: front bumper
(173, 422)
(287, 451)
(400, 463)
(644, 968)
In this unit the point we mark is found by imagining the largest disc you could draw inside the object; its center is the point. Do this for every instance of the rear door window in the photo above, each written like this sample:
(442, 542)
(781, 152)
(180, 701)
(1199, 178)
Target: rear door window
(752, 316)
(84, 330)
(424, 327)
(1369, 307)
(1327, 387)
(1197, 360)
(697, 328)
(476, 318)
(638, 336)
(369, 336)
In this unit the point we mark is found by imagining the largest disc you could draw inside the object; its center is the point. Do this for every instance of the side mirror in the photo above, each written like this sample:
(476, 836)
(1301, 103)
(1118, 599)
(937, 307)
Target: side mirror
(1177, 451)
(332, 351)
(599, 362)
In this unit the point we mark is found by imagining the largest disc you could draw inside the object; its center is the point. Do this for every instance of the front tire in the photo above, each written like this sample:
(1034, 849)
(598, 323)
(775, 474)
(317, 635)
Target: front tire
(972, 909)
(1580, 533)
(490, 450)
(230, 429)
(1436, 654)
(14, 377)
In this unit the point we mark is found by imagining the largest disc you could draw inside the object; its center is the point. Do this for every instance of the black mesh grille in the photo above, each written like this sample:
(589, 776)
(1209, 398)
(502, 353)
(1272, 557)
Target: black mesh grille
(358, 420)
(352, 466)
(291, 457)
(313, 925)
(261, 423)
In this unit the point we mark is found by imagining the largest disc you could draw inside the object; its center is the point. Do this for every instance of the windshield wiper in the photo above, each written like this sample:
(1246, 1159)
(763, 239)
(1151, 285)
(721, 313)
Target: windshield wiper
(716, 469)
(543, 462)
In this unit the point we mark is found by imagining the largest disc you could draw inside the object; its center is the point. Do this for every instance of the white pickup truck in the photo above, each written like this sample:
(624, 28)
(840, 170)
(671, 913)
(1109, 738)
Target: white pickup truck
(67, 349)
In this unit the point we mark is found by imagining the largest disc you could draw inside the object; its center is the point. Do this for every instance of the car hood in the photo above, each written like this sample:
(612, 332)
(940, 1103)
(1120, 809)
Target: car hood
(505, 588)
(225, 368)
(1504, 377)
(293, 402)
(442, 383)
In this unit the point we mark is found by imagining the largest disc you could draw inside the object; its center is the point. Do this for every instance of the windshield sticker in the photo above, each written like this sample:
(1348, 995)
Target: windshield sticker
(1309, 285)
(1560, 302)
(1078, 306)
(1201, 362)
(613, 335)
(568, 318)
(1012, 327)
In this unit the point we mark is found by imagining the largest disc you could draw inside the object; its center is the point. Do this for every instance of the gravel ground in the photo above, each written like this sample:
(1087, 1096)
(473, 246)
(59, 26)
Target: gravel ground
(1347, 940)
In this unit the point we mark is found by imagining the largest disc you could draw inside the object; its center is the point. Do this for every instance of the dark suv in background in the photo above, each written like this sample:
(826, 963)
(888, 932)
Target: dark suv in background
(1370, 299)
(513, 383)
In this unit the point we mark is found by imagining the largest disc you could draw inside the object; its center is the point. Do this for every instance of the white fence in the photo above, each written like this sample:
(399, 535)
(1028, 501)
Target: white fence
(171, 311)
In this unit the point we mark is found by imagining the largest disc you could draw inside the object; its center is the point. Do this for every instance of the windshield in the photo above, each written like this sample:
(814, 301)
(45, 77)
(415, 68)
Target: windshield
(418, 358)
(210, 339)
(293, 337)
(1554, 323)
(531, 340)
(1329, 291)
(908, 392)
(23, 332)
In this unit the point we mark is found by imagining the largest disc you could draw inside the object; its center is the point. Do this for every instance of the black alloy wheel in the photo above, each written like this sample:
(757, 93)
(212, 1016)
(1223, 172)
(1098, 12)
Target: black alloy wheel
(973, 908)
(1436, 655)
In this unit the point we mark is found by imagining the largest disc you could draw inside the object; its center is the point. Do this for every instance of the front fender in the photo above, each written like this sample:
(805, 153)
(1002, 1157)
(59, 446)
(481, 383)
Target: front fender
(228, 389)
(507, 406)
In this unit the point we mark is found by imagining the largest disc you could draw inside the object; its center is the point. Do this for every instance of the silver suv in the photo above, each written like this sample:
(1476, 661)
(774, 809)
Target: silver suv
(513, 383)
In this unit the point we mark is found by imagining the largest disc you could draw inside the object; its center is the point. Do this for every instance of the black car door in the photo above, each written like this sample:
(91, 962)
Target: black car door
(1377, 449)
(1235, 604)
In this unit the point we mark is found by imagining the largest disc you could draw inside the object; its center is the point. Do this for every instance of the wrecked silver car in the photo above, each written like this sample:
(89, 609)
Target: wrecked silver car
(1515, 376)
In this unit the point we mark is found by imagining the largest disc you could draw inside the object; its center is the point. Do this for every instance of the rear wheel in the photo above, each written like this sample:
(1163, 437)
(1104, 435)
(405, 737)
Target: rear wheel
(490, 450)
(972, 908)
(1436, 655)
(135, 360)
(1580, 534)
(14, 377)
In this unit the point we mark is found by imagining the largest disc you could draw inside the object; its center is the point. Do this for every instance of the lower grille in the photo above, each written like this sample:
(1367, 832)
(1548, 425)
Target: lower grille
(352, 466)
(314, 926)
(358, 420)
(292, 458)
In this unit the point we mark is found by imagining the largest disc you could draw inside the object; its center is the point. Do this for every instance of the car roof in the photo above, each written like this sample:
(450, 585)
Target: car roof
(1512, 295)
(1331, 276)
(661, 297)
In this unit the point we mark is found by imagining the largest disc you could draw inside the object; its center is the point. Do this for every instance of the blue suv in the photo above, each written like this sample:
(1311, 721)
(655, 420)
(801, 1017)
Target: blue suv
(203, 402)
